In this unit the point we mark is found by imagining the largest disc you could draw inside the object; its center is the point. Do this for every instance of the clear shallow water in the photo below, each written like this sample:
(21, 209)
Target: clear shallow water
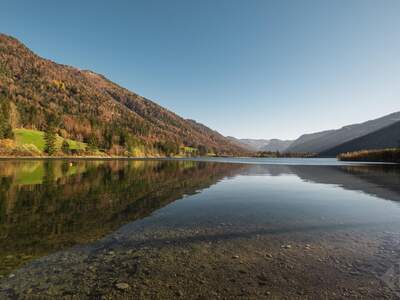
(48, 206)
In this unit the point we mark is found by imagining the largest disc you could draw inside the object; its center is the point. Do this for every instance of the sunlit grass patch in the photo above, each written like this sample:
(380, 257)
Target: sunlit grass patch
(35, 137)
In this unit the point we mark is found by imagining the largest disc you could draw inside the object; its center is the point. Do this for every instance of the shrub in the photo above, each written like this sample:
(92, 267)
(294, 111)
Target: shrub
(378, 155)
(26, 150)
(9, 147)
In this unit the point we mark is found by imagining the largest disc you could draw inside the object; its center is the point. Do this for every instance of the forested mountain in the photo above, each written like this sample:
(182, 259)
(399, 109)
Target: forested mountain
(87, 107)
(387, 137)
(323, 141)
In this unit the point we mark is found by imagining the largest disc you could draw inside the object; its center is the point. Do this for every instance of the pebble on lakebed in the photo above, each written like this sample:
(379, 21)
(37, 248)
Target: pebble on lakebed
(122, 286)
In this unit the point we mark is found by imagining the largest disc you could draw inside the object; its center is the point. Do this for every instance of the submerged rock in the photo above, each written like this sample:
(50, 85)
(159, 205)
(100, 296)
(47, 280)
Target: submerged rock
(122, 286)
(286, 246)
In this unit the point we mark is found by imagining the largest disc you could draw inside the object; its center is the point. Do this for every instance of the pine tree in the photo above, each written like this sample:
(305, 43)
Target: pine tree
(202, 150)
(50, 138)
(65, 147)
(5, 126)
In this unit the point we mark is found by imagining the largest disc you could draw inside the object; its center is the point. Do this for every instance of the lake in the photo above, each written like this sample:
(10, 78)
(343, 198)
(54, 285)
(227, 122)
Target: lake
(199, 229)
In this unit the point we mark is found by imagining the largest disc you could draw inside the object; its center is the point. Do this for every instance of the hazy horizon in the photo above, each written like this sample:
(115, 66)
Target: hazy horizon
(255, 69)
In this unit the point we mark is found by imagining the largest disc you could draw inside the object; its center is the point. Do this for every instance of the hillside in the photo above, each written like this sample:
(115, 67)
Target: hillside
(262, 144)
(89, 108)
(323, 141)
(306, 138)
(387, 137)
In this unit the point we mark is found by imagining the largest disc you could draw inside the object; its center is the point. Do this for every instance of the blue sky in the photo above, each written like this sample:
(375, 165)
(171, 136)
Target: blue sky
(248, 68)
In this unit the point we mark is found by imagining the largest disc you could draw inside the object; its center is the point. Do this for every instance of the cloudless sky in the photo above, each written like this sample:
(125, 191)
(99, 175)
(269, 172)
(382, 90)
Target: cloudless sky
(247, 68)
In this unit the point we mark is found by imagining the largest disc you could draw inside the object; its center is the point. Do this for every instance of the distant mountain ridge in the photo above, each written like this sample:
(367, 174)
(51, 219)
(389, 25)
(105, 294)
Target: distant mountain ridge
(321, 142)
(387, 137)
(263, 144)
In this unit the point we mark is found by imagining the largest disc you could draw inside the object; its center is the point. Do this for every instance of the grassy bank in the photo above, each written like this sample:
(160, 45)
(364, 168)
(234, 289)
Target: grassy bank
(34, 137)
(29, 142)
(379, 155)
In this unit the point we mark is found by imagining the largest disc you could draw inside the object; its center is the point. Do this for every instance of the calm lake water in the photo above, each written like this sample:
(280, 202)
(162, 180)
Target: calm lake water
(53, 207)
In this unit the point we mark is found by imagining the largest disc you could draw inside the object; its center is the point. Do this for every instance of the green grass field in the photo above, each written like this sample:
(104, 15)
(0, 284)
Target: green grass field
(28, 136)
(187, 149)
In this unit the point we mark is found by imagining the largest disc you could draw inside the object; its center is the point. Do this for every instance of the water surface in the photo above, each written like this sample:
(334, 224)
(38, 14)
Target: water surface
(75, 208)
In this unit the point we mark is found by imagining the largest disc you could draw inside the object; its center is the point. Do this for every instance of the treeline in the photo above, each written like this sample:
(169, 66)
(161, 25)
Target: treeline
(378, 155)
(284, 154)
(114, 138)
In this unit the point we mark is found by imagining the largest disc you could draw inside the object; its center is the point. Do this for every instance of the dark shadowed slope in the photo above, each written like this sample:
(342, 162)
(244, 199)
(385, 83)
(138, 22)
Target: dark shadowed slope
(388, 137)
(304, 139)
(320, 142)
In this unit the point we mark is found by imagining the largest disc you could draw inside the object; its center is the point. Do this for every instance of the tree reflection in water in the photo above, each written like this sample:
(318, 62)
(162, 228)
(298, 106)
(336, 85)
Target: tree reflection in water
(49, 205)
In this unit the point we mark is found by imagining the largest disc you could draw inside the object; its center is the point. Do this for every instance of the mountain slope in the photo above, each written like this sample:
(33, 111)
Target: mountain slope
(387, 137)
(277, 145)
(305, 138)
(90, 108)
(262, 144)
(322, 141)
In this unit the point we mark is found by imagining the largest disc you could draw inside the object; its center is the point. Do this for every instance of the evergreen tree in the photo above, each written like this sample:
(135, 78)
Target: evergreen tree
(5, 130)
(108, 136)
(92, 142)
(65, 147)
(50, 138)
(203, 151)
(5, 126)
(168, 148)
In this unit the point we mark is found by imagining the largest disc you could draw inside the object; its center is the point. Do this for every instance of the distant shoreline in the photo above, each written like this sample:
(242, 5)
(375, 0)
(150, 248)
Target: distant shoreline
(390, 155)
(106, 157)
(216, 159)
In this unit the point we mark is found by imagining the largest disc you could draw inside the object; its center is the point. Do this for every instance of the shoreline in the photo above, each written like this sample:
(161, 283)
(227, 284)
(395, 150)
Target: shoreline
(102, 157)
(217, 159)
